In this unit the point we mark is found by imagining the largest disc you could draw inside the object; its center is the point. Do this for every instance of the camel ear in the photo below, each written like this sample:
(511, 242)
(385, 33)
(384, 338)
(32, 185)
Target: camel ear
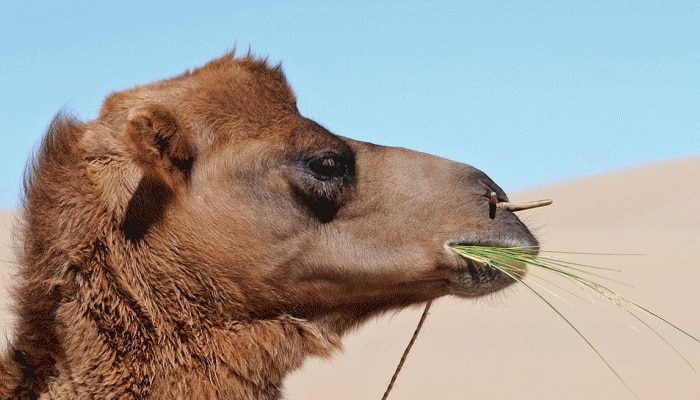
(161, 145)
(166, 158)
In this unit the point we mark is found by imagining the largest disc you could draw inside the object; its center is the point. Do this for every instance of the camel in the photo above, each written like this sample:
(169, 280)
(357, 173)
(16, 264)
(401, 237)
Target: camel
(200, 238)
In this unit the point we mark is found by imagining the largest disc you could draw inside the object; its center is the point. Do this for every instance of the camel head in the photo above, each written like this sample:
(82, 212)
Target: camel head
(204, 201)
(287, 217)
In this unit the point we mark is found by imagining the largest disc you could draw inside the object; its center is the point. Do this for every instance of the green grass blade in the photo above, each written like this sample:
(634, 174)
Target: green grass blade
(571, 325)
(635, 316)
(657, 316)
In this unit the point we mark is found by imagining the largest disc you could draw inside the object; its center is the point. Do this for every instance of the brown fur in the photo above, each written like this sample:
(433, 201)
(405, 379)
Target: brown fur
(201, 238)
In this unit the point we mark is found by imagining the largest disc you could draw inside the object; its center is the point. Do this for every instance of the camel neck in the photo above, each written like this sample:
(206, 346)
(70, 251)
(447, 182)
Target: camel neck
(240, 359)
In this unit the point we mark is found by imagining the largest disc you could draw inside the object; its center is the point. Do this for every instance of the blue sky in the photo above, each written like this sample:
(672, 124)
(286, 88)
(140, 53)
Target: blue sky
(530, 92)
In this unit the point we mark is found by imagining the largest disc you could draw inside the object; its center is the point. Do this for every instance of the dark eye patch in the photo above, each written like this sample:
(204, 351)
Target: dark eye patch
(320, 178)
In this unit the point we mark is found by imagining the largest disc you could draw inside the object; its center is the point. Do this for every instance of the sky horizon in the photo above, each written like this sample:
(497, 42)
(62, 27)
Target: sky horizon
(532, 93)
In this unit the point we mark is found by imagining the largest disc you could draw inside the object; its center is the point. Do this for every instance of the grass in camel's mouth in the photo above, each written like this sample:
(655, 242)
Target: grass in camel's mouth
(513, 262)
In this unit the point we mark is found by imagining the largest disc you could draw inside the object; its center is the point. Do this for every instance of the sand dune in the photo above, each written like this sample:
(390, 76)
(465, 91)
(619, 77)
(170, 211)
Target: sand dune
(511, 346)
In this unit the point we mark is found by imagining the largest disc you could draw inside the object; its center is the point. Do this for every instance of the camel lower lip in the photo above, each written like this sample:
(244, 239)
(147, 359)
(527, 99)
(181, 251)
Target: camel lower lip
(476, 279)
(472, 278)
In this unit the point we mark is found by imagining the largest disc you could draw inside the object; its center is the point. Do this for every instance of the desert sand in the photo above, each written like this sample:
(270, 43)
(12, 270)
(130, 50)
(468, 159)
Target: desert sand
(511, 345)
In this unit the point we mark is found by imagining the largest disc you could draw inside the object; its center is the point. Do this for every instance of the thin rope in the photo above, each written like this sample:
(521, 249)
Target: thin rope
(408, 349)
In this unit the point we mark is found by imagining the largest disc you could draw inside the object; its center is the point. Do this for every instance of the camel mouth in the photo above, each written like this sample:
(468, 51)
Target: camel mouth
(474, 277)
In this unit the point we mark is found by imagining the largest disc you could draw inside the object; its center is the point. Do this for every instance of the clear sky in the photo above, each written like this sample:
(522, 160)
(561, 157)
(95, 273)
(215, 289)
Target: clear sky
(530, 92)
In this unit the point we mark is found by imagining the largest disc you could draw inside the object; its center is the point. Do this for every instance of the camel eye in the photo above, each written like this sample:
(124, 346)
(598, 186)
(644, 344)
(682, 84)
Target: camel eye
(326, 168)
(318, 181)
